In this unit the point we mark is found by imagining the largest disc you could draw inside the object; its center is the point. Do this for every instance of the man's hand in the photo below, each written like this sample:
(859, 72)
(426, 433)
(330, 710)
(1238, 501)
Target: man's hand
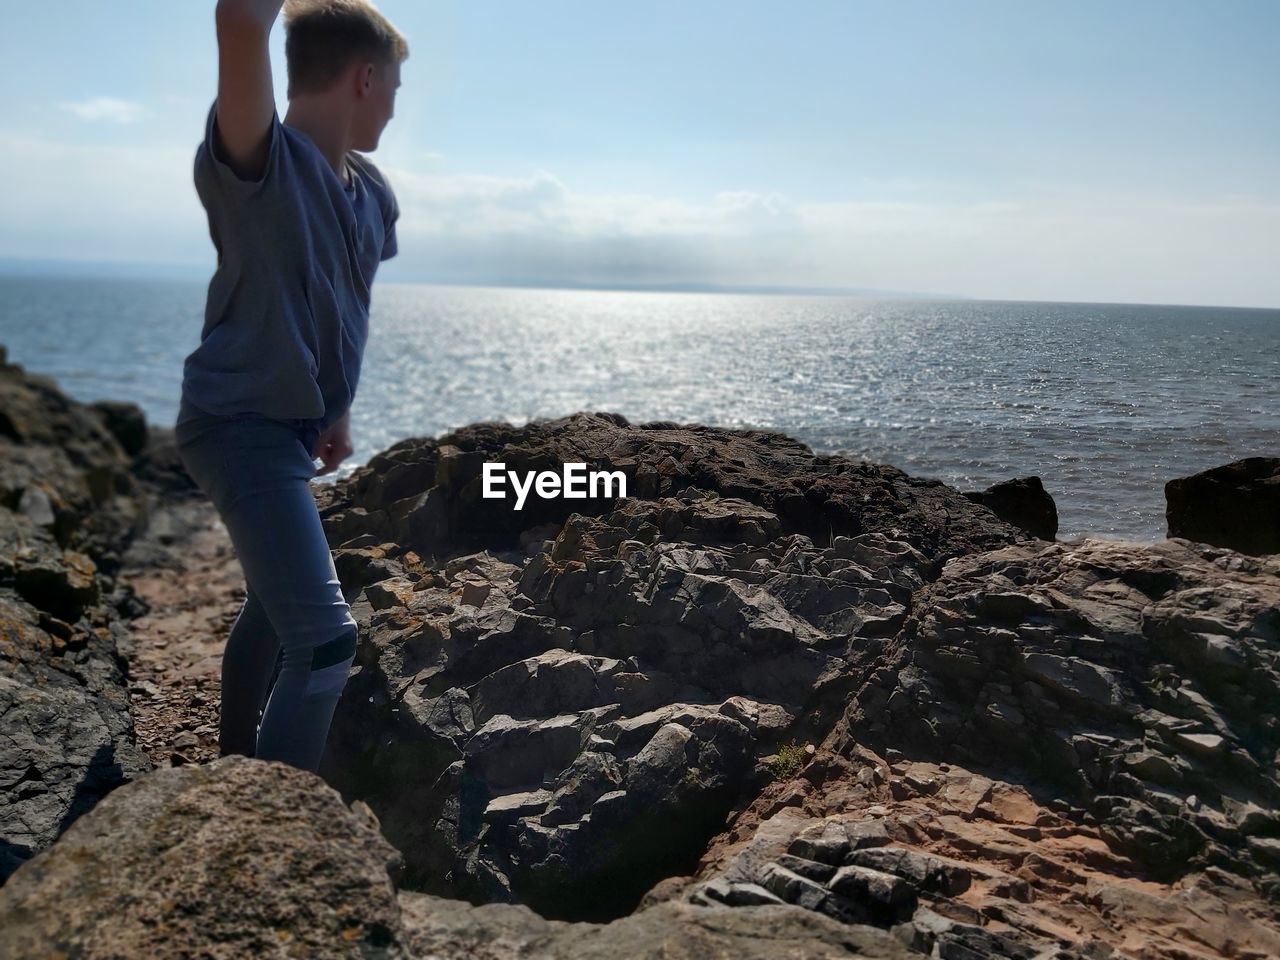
(334, 445)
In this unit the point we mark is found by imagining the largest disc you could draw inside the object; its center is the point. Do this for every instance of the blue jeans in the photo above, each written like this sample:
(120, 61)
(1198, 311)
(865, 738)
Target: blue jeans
(255, 470)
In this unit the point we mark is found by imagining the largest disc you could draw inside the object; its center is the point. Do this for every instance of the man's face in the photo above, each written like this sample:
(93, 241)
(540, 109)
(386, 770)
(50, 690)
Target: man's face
(377, 105)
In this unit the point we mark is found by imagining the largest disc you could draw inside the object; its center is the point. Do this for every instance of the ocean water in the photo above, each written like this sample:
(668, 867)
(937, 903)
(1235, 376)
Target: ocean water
(1104, 402)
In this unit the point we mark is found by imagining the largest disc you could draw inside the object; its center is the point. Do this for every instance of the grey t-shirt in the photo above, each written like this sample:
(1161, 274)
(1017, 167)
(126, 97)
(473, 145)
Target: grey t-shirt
(287, 314)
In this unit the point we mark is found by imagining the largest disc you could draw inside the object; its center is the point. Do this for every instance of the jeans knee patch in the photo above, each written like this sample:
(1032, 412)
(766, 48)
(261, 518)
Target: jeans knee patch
(331, 665)
(335, 651)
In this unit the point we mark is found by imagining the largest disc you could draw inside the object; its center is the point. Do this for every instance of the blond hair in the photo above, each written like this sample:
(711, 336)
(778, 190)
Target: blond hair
(323, 38)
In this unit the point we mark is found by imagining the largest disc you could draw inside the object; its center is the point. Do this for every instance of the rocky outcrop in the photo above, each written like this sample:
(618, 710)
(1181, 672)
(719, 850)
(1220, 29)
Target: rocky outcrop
(559, 720)
(68, 506)
(1236, 505)
(1143, 682)
(915, 846)
(769, 703)
(1067, 744)
(425, 494)
(63, 468)
(244, 858)
(564, 719)
(954, 863)
(1023, 502)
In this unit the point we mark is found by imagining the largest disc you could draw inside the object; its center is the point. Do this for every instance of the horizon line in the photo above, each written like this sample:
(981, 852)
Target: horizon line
(148, 270)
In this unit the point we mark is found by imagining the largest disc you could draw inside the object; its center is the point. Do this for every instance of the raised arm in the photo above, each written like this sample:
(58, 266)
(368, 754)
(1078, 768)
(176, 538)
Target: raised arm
(246, 98)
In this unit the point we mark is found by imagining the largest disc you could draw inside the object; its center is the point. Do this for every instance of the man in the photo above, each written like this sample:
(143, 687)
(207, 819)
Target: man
(300, 221)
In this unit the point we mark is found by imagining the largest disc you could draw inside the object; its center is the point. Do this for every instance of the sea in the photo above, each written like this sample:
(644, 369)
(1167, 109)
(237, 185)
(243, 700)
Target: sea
(1104, 402)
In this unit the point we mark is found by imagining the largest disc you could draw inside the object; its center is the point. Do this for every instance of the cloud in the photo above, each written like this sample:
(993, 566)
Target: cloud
(477, 205)
(1061, 244)
(1046, 243)
(105, 108)
(100, 202)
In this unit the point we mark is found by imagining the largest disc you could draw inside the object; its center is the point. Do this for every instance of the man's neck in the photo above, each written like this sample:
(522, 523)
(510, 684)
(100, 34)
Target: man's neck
(320, 121)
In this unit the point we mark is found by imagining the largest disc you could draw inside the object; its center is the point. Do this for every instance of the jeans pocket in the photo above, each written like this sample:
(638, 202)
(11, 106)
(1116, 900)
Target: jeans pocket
(205, 463)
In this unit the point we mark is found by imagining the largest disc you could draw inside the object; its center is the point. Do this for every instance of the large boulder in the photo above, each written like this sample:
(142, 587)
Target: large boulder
(1023, 502)
(1236, 506)
(426, 494)
(68, 508)
(563, 718)
(62, 466)
(126, 421)
(239, 858)
(66, 734)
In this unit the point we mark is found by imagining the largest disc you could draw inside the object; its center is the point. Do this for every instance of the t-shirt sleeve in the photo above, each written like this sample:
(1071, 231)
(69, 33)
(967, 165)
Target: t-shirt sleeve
(391, 213)
(212, 169)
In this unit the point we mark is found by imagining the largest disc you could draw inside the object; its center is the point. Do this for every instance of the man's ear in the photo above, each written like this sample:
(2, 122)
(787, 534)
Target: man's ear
(364, 79)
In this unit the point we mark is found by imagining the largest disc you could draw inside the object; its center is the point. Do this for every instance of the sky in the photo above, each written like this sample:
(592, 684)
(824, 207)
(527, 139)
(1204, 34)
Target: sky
(1033, 150)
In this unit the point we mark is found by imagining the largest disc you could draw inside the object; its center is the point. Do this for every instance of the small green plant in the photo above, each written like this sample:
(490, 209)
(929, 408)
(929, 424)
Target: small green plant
(788, 760)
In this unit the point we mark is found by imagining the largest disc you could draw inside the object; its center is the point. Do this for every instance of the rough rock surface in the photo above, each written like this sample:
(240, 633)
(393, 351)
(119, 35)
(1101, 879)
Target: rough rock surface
(1023, 502)
(442, 929)
(1236, 505)
(954, 863)
(1071, 747)
(424, 494)
(564, 719)
(238, 858)
(1143, 681)
(244, 858)
(68, 505)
